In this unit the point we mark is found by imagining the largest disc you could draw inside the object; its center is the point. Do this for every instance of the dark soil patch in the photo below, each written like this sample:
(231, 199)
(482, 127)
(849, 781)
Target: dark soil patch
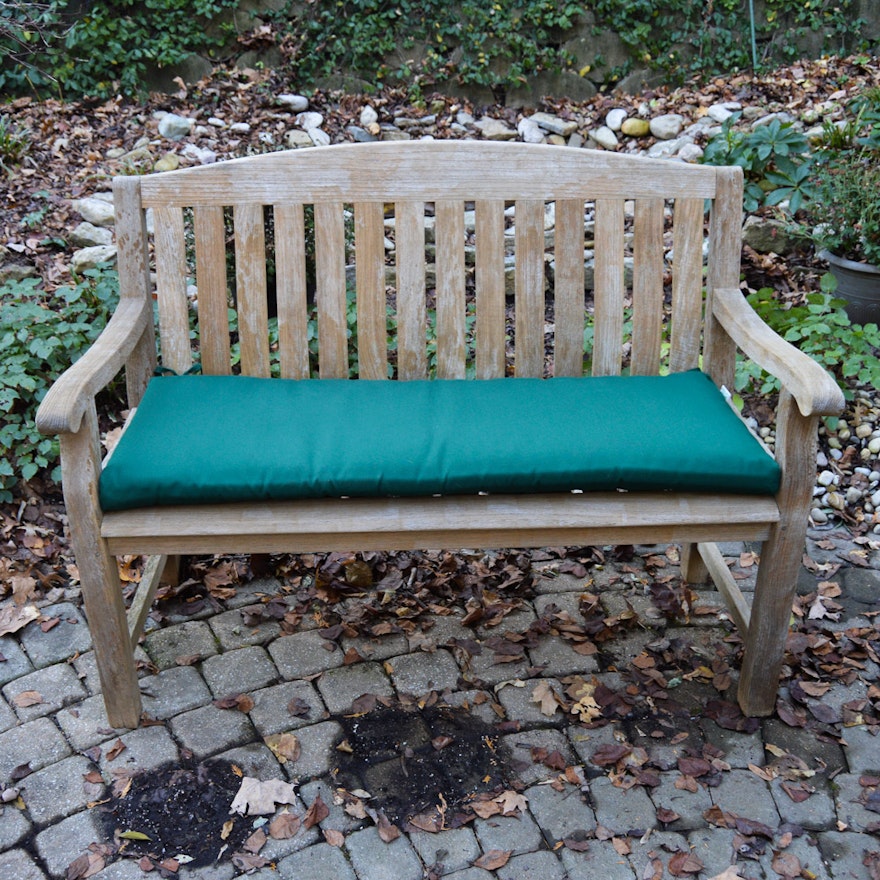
(182, 810)
(395, 757)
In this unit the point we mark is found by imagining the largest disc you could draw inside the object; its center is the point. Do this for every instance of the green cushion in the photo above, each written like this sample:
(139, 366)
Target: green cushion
(204, 439)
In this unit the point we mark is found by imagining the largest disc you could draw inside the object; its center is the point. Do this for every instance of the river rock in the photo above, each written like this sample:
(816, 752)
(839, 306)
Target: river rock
(295, 103)
(667, 127)
(690, 153)
(296, 138)
(530, 131)
(368, 116)
(309, 120)
(319, 137)
(240, 127)
(16, 272)
(554, 124)
(202, 155)
(169, 162)
(360, 135)
(175, 127)
(605, 137)
(96, 211)
(495, 129)
(722, 112)
(89, 235)
(768, 236)
(633, 127)
(90, 257)
(615, 118)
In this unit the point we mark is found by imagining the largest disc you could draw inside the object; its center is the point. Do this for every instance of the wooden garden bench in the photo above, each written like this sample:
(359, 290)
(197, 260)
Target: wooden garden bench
(644, 449)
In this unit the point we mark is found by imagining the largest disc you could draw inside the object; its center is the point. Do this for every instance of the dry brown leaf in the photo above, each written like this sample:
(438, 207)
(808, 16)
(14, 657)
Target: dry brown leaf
(316, 813)
(731, 873)
(285, 746)
(115, 750)
(12, 618)
(334, 837)
(284, 826)
(621, 847)
(87, 865)
(28, 698)
(257, 797)
(494, 859)
(387, 830)
(683, 863)
(511, 801)
(545, 696)
(256, 841)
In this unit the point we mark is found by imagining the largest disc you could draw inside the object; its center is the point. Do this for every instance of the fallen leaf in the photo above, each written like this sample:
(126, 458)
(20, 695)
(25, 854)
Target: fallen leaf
(258, 798)
(731, 873)
(285, 746)
(787, 865)
(316, 813)
(28, 698)
(683, 863)
(13, 618)
(494, 859)
(256, 841)
(87, 865)
(545, 696)
(621, 847)
(115, 750)
(511, 801)
(334, 837)
(609, 754)
(387, 830)
(247, 862)
(242, 702)
(284, 826)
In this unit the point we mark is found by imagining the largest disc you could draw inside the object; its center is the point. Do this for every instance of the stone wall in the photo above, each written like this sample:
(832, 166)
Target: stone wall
(597, 52)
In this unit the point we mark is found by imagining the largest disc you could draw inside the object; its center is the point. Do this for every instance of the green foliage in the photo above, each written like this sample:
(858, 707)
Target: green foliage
(774, 158)
(40, 335)
(494, 44)
(820, 328)
(15, 141)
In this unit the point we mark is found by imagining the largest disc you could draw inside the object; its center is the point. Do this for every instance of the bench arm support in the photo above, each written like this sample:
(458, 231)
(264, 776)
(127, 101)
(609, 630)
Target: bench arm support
(62, 409)
(813, 388)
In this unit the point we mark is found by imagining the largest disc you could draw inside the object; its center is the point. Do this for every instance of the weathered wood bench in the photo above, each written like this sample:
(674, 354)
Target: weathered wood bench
(218, 462)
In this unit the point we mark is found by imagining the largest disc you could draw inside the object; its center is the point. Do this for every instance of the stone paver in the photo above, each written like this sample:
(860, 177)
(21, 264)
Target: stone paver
(318, 862)
(446, 851)
(193, 639)
(208, 730)
(68, 637)
(560, 814)
(14, 825)
(17, 864)
(816, 812)
(239, 672)
(85, 723)
(272, 707)
(38, 743)
(174, 691)
(690, 806)
(620, 810)
(527, 747)
(422, 672)
(44, 692)
(341, 687)
(57, 791)
(515, 834)
(8, 718)
(598, 862)
(743, 793)
(304, 653)
(16, 663)
(374, 860)
(232, 632)
(145, 749)
(318, 750)
(533, 866)
(63, 842)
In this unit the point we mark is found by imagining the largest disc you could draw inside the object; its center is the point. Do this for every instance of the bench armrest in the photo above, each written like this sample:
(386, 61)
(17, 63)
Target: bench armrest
(812, 387)
(62, 408)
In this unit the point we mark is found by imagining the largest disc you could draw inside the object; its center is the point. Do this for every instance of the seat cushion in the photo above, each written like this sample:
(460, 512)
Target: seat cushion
(208, 439)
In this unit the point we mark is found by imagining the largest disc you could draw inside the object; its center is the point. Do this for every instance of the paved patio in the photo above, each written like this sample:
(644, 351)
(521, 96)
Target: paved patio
(663, 791)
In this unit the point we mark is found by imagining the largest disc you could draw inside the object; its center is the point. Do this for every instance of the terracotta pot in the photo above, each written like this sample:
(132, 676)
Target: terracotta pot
(859, 285)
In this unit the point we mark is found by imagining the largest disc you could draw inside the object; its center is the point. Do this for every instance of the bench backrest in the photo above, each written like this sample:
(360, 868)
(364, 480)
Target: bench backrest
(309, 214)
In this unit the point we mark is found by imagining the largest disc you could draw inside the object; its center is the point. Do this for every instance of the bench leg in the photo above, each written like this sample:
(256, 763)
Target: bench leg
(781, 558)
(99, 575)
(693, 569)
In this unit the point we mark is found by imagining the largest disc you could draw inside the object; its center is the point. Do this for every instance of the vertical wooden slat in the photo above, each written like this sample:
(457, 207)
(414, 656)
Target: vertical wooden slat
(490, 288)
(291, 290)
(451, 326)
(529, 288)
(133, 263)
(211, 281)
(647, 288)
(568, 289)
(330, 290)
(412, 356)
(687, 285)
(369, 243)
(250, 285)
(171, 289)
(725, 254)
(608, 292)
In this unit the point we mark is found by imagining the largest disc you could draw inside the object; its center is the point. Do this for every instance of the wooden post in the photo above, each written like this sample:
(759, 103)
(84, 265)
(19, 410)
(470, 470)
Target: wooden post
(99, 575)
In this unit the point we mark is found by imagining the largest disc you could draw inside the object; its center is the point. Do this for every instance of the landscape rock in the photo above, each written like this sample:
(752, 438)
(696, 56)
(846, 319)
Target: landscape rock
(360, 135)
(634, 127)
(88, 235)
(90, 257)
(530, 131)
(605, 137)
(240, 127)
(768, 236)
(169, 162)
(368, 116)
(667, 127)
(297, 138)
(318, 137)
(554, 124)
(615, 118)
(309, 120)
(202, 155)
(17, 272)
(96, 211)
(495, 129)
(666, 149)
(690, 153)
(175, 127)
(294, 103)
(723, 111)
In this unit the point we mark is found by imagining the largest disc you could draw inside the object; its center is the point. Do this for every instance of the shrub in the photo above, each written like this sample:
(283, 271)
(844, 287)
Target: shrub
(41, 334)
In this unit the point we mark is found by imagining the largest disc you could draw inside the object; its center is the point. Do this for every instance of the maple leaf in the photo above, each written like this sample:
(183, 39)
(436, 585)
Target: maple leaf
(545, 696)
(258, 798)
(511, 801)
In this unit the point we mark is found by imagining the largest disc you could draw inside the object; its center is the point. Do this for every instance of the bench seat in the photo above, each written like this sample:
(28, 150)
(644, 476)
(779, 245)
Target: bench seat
(226, 439)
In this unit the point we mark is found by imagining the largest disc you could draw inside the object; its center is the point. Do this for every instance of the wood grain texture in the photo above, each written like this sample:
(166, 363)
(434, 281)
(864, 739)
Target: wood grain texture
(412, 352)
(429, 171)
(210, 246)
(369, 245)
(568, 295)
(529, 280)
(449, 237)
(291, 286)
(330, 290)
(490, 353)
(169, 243)
(647, 287)
(250, 277)
(724, 582)
(687, 285)
(608, 294)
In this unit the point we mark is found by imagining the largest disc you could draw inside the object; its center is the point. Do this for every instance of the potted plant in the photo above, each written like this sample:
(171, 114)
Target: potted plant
(843, 209)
